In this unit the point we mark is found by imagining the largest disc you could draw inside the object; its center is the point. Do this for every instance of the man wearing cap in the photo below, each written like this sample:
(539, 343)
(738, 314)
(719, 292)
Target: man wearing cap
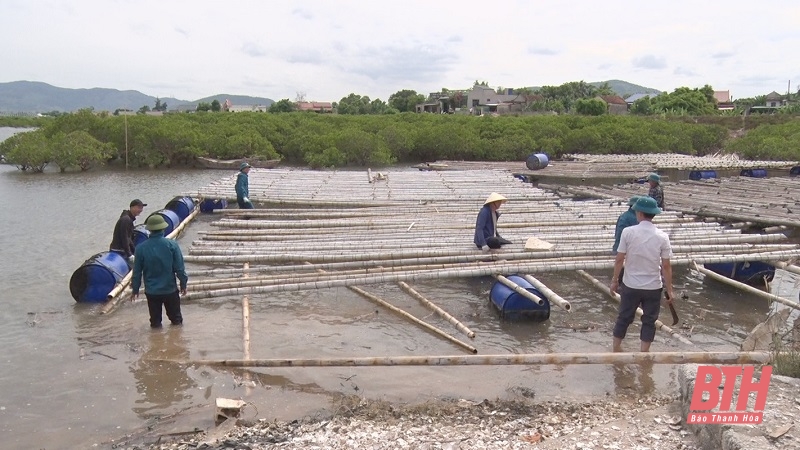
(122, 241)
(625, 220)
(644, 251)
(656, 191)
(242, 187)
(486, 224)
(159, 260)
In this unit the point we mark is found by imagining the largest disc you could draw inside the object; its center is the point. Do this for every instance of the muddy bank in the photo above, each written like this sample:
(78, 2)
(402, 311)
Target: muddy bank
(651, 422)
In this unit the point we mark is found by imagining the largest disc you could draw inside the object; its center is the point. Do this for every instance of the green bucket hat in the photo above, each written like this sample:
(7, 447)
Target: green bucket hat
(244, 165)
(155, 223)
(654, 177)
(633, 199)
(647, 205)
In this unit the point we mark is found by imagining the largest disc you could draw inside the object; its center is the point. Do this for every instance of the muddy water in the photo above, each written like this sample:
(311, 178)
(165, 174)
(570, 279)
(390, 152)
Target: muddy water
(71, 378)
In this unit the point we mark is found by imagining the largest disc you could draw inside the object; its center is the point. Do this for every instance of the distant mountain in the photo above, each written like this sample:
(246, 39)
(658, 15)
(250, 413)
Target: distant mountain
(621, 88)
(625, 89)
(237, 100)
(34, 96)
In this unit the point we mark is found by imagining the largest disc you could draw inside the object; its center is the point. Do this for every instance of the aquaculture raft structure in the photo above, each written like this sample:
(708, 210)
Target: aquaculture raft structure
(348, 229)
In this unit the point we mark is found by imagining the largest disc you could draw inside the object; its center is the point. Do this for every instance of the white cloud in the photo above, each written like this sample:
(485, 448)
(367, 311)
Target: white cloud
(649, 62)
(195, 48)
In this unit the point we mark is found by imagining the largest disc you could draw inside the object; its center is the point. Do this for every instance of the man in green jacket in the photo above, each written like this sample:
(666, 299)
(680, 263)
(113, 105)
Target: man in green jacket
(243, 187)
(159, 260)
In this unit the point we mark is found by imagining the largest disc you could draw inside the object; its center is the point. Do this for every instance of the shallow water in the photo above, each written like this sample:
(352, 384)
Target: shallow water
(72, 378)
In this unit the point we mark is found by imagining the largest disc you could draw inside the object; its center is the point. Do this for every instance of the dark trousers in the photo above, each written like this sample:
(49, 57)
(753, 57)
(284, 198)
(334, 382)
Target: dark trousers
(650, 302)
(244, 205)
(171, 302)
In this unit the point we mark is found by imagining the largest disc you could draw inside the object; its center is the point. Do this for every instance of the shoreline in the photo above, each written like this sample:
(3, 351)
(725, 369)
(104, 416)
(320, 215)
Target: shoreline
(357, 422)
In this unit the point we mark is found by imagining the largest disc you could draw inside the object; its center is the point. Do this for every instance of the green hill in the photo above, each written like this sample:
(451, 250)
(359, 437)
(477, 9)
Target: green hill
(625, 89)
(237, 100)
(38, 97)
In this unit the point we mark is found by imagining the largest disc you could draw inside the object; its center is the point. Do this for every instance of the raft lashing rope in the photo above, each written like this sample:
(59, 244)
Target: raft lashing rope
(98, 275)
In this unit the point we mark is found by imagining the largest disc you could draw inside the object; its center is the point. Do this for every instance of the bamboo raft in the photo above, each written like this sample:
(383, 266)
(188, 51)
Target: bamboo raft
(318, 230)
(767, 201)
(616, 167)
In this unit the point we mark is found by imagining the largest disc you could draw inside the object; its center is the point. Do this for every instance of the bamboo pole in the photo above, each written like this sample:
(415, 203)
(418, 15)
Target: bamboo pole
(410, 317)
(549, 293)
(744, 287)
(733, 358)
(246, 320)
(484, 270)
(519, 290)
(788, 267)
(659, 324)
(442, 313)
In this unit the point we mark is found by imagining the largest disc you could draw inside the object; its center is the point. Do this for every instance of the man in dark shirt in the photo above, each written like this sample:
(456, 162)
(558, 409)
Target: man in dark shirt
(122, 242)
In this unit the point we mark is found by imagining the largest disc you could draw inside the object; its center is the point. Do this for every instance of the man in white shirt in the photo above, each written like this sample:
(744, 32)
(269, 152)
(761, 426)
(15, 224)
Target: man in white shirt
(644, 251)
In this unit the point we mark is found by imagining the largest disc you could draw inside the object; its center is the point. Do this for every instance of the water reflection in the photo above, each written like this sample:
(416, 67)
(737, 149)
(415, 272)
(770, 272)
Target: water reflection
(633, 380)
(162, 383)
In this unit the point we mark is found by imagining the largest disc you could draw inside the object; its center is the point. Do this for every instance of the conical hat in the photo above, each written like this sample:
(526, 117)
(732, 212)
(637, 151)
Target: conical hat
(495, 197)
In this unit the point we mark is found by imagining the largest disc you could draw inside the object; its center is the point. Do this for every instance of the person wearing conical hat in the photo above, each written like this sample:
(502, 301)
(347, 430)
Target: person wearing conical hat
(644, 252)
(486, 225)
(243, 187)
(158, 261)
(656, 191)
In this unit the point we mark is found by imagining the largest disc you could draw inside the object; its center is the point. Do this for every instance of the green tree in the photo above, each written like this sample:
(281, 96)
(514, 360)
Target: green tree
(160, 106)
(28, 151)
(405, 100)
(281, 106)
(354, 104)
(143, 110)
(203, 107)
(79, 149)
(590, 107)
(642, 107)
(215, 106)
(683, 100)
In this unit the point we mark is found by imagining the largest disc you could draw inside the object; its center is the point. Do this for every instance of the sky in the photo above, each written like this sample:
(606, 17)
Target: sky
(325, 50)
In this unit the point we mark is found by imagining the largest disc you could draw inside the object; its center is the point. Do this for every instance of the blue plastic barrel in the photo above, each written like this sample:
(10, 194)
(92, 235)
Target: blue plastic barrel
(748, 272)
(210, 204)
(97, 276)
(513, 306)
(754, 173)
(182, 206)
(702, 174)
(537, 161)
(140, 234)
(171, 217)
(795, 171)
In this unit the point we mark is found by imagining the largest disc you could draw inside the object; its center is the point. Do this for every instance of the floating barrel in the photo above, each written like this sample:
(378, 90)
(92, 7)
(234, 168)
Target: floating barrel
(702, 174)
(182, 206)
(210, 204)
(513, 306)
(754, 173)
(96, 277)
(795, 171)
(749, 272)
(537, 161)
(171, 217)
(140, 234)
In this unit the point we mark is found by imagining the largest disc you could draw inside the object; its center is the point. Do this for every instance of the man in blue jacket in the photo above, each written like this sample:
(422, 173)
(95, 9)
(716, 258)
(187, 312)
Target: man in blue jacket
(625, 220)
(486, 223)
(159, 260)
(242, 187)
